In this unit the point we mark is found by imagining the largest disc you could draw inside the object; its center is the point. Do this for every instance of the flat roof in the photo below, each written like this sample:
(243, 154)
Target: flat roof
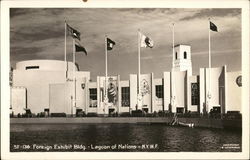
(182, 45)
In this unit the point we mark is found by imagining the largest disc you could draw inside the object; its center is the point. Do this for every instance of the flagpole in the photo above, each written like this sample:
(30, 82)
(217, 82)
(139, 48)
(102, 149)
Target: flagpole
(74, 73)
(139, 67)
(65, 48)
(173, 91)
(173, 46)
(106, 70)
(209, 63)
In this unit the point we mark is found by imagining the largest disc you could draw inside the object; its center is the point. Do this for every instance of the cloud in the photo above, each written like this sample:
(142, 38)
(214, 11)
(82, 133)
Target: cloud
(221, 52)
(25, 51)
(206, 13)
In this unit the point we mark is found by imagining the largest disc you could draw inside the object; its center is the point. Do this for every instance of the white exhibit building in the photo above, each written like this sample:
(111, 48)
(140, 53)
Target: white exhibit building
(52, 86)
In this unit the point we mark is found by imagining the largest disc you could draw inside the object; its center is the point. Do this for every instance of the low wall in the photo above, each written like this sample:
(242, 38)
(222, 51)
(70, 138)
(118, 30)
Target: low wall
(213, 123)
(198, 122)
(91, 120)
(203, 122)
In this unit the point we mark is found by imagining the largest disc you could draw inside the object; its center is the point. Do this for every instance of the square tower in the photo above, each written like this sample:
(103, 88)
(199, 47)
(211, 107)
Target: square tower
(182, 58)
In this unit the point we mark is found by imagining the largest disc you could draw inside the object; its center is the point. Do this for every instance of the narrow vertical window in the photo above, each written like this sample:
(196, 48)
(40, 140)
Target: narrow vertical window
(92, 97)
(194, 93)
(175, 55)
(125, 97)
(159, 91)
(185, 55)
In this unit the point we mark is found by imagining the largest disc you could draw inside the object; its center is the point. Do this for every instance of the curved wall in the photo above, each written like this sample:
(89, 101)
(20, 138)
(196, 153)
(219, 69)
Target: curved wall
(47, 85)
(52, 65)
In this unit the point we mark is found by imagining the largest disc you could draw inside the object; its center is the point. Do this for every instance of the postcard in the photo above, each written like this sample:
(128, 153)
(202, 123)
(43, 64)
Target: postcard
(124, 79)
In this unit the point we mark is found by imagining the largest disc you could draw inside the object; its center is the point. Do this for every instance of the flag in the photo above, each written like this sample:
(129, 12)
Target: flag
(213, 27)
(80, 48)
(110, 44)
(73, 32)
(146, 41)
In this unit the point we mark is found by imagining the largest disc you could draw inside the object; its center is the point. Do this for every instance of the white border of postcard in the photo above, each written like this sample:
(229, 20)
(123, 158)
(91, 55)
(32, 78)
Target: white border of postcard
(5, 90)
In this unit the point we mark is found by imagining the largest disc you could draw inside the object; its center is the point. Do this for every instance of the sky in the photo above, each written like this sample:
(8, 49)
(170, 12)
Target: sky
(38, 33)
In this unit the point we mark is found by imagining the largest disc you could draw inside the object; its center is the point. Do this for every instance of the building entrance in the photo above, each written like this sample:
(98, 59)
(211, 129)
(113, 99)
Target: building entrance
(179, 110)
(145, 110)
(111, 111)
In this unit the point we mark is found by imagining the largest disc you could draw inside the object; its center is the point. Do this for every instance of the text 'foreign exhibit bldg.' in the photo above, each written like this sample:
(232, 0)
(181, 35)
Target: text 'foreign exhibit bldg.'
(46, 86)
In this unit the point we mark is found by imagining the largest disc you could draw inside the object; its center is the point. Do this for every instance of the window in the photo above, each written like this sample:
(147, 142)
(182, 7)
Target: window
(185, 55)
(175, 55)
(92, 97)
(194, 93)
(32, 67)
(159, 91)
(125, 97)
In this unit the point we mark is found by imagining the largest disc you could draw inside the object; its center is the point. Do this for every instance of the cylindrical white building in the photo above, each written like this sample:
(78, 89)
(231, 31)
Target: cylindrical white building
(50, 85)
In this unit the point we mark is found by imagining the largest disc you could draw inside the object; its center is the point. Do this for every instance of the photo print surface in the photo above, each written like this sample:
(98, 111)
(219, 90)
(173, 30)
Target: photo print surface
(125, 80)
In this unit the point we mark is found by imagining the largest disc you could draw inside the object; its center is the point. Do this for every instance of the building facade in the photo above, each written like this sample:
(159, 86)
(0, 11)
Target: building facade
(52, 86)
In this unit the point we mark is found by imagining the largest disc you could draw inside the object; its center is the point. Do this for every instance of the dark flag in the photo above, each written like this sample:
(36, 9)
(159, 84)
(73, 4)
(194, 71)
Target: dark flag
(80, 48)
(73, 32)
(110, 44)
(213, 27)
